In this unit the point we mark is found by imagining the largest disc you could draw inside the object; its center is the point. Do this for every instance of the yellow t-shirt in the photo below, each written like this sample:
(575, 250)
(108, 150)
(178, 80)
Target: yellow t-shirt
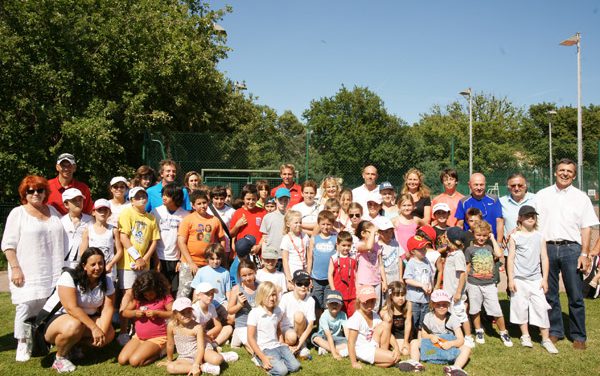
(141, 229)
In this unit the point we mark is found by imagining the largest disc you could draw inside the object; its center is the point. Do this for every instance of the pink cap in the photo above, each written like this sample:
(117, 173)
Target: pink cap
(366, 293)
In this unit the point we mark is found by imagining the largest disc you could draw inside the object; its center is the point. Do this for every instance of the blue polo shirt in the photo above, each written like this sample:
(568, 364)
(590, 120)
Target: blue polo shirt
(489, 206)
(155, 198)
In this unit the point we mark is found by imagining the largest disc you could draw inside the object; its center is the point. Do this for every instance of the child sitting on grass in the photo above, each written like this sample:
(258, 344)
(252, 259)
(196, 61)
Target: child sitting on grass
(332, 336)
(441, 340)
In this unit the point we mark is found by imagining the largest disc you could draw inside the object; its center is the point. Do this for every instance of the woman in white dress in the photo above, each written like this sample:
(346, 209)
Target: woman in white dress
(34, 244)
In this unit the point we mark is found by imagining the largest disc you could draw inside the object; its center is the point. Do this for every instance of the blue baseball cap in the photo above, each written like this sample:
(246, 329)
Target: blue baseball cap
(386, 185)
(282, 192)
(244, 245)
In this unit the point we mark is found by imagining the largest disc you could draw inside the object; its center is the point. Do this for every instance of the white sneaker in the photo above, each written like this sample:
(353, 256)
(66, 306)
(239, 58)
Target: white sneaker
(322, 351)
(506, 339)
(479, 337)
(549, 346)
(210, 369)
(23, 351)
(526, 341)
(304, 353)
(123, 338)
(230, 356)
(469, 342)
(343, 352)
(63, 365)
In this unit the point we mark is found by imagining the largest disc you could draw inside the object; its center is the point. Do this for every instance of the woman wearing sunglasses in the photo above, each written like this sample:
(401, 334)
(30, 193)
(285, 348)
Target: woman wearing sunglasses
(34, 246)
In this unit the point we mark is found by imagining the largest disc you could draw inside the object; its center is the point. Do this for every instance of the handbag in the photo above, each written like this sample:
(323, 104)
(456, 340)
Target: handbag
(38, 330)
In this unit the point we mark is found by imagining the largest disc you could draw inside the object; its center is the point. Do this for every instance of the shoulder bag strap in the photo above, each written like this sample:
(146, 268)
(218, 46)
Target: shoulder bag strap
(216, 213)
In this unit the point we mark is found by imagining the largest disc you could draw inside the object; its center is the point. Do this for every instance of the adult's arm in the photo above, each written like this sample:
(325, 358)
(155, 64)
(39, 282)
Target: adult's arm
(68, 299)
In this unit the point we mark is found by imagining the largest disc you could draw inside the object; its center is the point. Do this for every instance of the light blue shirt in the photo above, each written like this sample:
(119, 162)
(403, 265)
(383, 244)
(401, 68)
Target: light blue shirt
(218, 278)
(510, 210)
(335, 325)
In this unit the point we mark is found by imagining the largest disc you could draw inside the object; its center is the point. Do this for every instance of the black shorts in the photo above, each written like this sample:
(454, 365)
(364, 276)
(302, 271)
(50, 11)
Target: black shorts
(168, 269)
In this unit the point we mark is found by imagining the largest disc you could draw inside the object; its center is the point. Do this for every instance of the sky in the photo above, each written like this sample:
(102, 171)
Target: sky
(413, 54)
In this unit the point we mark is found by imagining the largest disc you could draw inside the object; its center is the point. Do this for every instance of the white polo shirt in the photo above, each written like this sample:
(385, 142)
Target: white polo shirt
(361, 195)
(563, 213)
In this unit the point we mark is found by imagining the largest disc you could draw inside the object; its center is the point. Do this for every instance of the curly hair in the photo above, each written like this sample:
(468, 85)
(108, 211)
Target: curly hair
(150, 280)
(79, 274)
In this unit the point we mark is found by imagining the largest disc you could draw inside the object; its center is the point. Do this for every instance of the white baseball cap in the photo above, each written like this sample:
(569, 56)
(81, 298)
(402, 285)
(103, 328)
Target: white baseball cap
(181, 303)
(118, 179)
(382, 223)
(71, 193)
(441, 206)
(101, 203)
(203, 287)
(134, 191)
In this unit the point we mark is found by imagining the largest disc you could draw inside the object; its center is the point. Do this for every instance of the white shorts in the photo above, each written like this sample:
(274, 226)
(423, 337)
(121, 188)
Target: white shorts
(127, 277)
(366, 352)
(529, 305)
(484, 295)
(459, 310)
(241, 334)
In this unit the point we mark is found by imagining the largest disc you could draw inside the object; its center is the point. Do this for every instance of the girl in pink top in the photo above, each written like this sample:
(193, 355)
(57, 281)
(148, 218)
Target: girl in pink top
(370, 271)
(150, 308)
(405, 225)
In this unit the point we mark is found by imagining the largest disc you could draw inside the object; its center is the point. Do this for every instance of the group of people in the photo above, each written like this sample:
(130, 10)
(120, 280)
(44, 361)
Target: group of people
(376, 274)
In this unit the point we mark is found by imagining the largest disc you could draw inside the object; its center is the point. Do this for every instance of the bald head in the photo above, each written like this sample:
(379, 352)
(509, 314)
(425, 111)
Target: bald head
(370, 176)
(477, 185)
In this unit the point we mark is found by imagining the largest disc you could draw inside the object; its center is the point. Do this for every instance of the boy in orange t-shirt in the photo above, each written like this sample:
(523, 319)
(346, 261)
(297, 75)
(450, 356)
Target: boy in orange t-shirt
(196, 232)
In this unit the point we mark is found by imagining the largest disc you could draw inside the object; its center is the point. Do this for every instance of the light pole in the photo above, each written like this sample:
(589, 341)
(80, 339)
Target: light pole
(576, 40)
(308, 132)
(550, 114)
(467, 93)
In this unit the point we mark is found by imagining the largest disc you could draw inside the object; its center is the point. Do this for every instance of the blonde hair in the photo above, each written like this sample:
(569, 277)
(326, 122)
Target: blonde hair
(481, 226)
(332, 203)
(331, 179)
(265, 289)
(405, 197)
(288, 217)
(424, 190)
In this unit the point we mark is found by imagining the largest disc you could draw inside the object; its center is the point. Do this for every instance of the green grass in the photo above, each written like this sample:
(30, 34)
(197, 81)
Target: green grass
(487, 360)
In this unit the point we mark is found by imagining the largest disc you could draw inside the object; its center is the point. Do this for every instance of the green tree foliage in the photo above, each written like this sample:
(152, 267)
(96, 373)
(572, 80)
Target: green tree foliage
(353, 129)
(90, 77)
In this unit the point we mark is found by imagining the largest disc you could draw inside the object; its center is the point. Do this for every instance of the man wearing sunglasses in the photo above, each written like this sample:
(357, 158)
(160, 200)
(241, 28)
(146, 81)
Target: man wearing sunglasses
(66, 167)
(512, 202)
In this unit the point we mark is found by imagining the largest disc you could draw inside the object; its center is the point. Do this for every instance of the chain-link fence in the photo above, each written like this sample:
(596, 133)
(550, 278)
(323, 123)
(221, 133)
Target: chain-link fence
(197, 151)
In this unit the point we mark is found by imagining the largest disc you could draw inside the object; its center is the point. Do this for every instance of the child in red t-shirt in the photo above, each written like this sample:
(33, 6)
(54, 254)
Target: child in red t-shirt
(342, 272)
(247, 219)
(150, 307)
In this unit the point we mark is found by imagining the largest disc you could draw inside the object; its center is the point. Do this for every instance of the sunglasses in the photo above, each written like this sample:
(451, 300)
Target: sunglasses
(354, 215)
(119, 186)
(517, 185)
(38, 191)
(303, 284)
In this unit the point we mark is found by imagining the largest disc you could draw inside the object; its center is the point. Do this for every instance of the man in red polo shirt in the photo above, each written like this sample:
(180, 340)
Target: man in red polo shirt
(287, 171)
(66, 167)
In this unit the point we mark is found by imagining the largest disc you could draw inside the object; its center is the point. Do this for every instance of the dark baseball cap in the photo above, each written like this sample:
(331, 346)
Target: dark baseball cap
(334, 296)
(244, 245)
(300, 276)
(526, 210)
(455, 234)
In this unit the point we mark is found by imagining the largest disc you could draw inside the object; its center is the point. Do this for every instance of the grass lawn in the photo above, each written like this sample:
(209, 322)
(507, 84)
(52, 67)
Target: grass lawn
(486, 360)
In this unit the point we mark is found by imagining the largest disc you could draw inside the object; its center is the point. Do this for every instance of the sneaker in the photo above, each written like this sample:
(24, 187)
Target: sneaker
(256, 361)
(526, 341)
(454, 371)
(123, 338)
(469, 342)
(23, 352)
(322, 351)
(343, 352)
(230, 356)
(549, 346)
(479, 337)
(506, 339)
(63, 365)
(410, 366)
(304, 353)
(210, 369)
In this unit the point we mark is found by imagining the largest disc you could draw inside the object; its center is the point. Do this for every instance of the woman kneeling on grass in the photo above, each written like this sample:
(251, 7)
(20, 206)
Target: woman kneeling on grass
(87, 297)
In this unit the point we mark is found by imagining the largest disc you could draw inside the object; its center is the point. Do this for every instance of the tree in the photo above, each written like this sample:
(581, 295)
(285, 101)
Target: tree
(352, 129)
(90, 77)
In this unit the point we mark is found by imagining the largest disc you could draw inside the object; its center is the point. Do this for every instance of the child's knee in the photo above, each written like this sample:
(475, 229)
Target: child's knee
(299, 318)
(278, 368)
(294, 365)
(290, 337)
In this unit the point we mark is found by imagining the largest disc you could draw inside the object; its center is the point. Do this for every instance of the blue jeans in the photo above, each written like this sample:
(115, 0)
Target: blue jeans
(563, 259)
(419, 310)
(282, 360)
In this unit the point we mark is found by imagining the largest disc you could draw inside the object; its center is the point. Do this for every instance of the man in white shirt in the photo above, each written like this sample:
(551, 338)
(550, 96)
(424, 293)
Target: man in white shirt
(361, 194)
(566, 215)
